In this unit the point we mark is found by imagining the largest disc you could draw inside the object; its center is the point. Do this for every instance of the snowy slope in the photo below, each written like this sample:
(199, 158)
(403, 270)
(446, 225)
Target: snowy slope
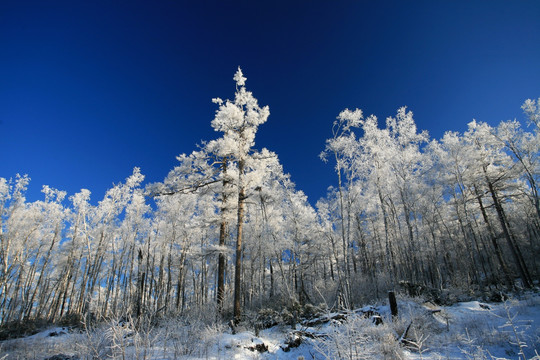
(468, 330)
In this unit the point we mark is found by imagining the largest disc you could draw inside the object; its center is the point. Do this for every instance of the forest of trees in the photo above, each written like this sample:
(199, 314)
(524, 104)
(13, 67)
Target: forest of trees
(227, 231)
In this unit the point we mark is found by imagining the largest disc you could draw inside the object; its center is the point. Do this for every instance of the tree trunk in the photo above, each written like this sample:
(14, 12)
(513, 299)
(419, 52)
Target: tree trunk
(222, 236)
(239, 227)
(498, 253)
(506, 232)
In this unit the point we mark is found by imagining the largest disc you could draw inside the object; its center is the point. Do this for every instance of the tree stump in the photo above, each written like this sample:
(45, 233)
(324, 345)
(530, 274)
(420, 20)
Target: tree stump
(393, 303)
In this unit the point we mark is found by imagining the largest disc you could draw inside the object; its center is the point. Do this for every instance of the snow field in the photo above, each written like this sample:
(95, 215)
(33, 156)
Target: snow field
(467, 330)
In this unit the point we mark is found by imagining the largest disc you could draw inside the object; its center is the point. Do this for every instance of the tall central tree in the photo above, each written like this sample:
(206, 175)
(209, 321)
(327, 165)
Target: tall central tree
(238, 120)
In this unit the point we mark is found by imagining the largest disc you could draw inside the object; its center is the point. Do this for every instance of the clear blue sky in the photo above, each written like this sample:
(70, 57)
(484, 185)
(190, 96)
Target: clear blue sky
(90, 89)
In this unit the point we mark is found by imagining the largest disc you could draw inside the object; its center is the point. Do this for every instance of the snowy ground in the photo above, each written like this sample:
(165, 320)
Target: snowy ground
(469, 330)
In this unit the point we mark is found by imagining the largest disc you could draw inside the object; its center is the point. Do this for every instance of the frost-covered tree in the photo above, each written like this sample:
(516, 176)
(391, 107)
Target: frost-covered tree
(461, 211)
(432, 213)
(524, 147)
(495, 170)
(239, 120)
(342, 146)
(30, 238)
(187, 216)
(228, 168)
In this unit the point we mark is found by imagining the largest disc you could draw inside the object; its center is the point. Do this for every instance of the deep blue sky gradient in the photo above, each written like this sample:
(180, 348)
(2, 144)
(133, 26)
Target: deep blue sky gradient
(90, 89)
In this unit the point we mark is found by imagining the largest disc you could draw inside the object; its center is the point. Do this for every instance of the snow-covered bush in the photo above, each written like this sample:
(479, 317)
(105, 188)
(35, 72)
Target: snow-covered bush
(358, 338)
(95, 343)
(187, 336)
(268, 317)
(419, 318)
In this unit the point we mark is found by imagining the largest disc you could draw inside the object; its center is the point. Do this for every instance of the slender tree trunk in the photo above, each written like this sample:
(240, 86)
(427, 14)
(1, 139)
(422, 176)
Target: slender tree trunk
(181, 279)
(169, 279)
(239, 228)
(140, 284)
(271, 278)
(344, 240)
(388, 253)
(498, 252)
(506, 232)
(222, 236)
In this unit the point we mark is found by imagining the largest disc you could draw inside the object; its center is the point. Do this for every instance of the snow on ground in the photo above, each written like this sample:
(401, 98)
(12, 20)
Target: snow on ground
(467, 330)
(476, 330)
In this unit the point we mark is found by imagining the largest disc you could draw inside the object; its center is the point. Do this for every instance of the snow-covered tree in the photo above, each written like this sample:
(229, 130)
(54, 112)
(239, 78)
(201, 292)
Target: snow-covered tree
(239, 120)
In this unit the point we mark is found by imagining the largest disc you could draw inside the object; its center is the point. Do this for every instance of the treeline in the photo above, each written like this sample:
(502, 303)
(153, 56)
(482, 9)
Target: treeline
(227, 230)
(459, 212)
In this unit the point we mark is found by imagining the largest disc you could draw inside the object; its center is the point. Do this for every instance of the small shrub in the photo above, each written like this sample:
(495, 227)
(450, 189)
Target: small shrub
(266, 318)
(72, 320)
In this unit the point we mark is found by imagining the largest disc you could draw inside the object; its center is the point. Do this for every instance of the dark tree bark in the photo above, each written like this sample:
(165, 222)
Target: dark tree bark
(506, 232)
(237, 312)
(393, 303)
(222, 236)
(498, 252)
